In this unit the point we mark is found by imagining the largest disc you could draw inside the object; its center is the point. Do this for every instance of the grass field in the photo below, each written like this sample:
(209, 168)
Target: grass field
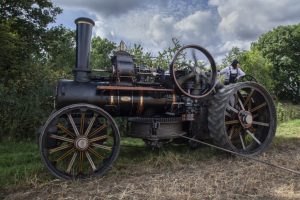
(165, 174)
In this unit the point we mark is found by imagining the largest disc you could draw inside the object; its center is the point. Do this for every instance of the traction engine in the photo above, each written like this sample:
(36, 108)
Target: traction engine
(81, 138)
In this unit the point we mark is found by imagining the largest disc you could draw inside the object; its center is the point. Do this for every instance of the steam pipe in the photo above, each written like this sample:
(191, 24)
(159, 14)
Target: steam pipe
(82, 69)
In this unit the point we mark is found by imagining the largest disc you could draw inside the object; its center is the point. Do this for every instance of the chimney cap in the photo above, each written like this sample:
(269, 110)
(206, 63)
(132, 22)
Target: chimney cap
(84, 20)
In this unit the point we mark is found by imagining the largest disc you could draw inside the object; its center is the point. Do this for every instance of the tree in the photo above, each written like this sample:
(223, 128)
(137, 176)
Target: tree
(100, 51)
(254, 64)
(281, 47)
(26, 80)
(234, 53)
(28, 19)
(59, 45)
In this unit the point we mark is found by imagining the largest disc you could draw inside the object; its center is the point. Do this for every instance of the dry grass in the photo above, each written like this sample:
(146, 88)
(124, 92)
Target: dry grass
(170, 176)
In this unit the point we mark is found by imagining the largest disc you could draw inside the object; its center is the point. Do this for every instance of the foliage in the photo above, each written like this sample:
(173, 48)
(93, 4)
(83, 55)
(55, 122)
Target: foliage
(26, 21)
(281, 47)
(163, 58)
(26, 81)
(141, 57)
(254, 64)
(100, 51)
(234, 53)
(286, 112)
(59, 49)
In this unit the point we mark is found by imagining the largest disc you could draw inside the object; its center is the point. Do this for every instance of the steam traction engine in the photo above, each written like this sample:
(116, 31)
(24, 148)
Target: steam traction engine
(81, 139)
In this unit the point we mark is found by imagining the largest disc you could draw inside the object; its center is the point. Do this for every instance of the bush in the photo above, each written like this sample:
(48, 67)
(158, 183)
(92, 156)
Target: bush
(286, 112)
(26, 102)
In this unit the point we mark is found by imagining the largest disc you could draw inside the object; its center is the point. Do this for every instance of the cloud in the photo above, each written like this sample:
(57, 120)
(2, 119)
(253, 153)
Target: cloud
(246, 20)
(199, 27)
(107, 7)
(218, 25)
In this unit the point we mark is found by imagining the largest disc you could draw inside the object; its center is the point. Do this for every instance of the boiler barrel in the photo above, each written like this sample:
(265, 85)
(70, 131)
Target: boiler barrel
(123, 103)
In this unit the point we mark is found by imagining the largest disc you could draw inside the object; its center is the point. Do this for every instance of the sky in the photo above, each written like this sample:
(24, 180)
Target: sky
(217, 25)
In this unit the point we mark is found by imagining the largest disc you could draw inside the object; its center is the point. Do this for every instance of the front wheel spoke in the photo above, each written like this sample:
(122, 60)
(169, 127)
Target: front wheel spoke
(62, 147)
(73, 124)
(82, 119)
(80, 164)
(102, 137)
(102, 146)
(71, 162)
(91, 124)
(258, 107)
(253, 136)
(261, 123)
(90, 161)
(242, 141)
(97, 130)
(65, 130)
(232, 122)
(61, 138)
(65, 155)
(95, 153)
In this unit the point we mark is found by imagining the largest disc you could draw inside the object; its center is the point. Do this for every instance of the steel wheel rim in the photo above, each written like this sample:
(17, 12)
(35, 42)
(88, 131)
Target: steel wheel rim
(77, 154)
(244, 137)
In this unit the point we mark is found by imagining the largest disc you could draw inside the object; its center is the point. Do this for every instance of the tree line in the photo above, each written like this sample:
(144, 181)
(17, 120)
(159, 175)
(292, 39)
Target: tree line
(33, 57)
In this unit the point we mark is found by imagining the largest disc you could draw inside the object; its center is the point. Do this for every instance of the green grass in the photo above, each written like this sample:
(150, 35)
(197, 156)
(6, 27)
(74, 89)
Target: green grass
(20, 163)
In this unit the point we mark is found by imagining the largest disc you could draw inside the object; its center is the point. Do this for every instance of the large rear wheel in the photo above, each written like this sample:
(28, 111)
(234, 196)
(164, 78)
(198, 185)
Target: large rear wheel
(242, 118)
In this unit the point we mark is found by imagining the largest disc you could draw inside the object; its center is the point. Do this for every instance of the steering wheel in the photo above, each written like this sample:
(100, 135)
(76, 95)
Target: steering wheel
(194, 77)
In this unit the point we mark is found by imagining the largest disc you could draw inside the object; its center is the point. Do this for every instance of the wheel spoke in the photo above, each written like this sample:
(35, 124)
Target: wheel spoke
(195, 57)
(61, 138)
(90, 125)
(82, 123)
(71, 162)
(80, 164)
(73, 124)
(232, 122)
(249, 97)
(232, 109)
(98, 130)
(65, 155)
(95, 153)
(242, 141)
(258, 107)
(102, 137)
(102, 146)
(231, 132)
(65, 130)
(240, 102)
(62, 147)
(90, 161)
(227, 114)
(261, 123)
(252, 135)
(185, 78)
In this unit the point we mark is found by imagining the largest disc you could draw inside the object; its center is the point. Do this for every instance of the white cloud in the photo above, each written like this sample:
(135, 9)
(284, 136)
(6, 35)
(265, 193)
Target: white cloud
(246, 20)
(218, 25)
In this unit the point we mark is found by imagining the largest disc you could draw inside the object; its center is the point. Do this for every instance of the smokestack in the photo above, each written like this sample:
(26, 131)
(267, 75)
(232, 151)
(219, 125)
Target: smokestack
(84, 28)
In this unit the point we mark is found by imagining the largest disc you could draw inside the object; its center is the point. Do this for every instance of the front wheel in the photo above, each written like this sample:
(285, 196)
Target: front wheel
(79, 141)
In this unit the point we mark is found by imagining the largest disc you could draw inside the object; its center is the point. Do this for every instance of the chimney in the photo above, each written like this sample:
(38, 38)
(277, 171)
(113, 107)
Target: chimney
(84, 28)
